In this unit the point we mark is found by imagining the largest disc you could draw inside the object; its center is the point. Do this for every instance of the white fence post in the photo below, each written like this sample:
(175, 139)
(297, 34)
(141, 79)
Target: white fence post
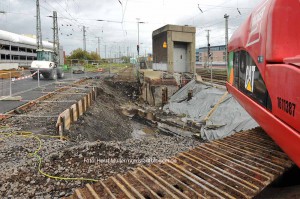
(38, 74)
(10, 85)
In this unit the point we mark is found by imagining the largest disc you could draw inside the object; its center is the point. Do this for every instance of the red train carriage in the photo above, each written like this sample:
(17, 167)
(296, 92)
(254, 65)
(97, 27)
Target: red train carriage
(264, 71)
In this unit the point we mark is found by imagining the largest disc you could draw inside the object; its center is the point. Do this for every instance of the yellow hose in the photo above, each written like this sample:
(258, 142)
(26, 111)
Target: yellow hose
(35, 153)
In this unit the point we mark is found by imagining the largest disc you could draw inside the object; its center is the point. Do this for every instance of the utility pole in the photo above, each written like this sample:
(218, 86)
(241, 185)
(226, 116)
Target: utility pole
(226, 39)
(209, 55)
(55, 38)
(39, 40)
(84, 39)
(98, 46)
(138, 45)
(105, 51)
(208, 47)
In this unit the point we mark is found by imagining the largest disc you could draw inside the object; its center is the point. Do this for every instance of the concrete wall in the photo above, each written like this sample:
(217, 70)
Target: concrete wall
(159, 53)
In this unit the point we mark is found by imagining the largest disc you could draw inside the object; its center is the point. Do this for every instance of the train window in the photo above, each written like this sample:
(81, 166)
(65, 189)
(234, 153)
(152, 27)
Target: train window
(248, 79)
(236, 68)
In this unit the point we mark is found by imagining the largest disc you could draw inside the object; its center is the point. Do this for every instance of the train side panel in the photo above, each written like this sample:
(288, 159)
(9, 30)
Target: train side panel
(283, 82)
(264, 71)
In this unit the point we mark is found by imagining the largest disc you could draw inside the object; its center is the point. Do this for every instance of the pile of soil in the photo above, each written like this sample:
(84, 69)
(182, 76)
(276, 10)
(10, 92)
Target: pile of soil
(104, 120)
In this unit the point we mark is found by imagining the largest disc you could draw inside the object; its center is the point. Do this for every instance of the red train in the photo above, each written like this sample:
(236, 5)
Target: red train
(264, 71)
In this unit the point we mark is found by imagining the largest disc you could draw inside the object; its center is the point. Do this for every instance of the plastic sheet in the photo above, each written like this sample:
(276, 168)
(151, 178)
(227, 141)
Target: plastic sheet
(229, 116)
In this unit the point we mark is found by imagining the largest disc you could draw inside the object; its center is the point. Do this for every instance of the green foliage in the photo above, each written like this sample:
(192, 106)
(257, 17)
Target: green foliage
(94, 56)
(83, 55)
(89, 67)
(125, 59)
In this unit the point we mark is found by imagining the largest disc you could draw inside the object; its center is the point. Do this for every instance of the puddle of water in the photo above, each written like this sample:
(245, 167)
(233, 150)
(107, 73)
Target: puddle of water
(141, 131)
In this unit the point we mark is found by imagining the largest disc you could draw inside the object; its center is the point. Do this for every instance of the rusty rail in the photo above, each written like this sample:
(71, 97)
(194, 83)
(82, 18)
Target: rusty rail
(218, 76)
(239, 166)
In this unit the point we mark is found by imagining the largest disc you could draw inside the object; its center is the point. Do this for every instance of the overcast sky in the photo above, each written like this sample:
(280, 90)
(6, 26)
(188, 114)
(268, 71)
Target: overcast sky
(119, 30)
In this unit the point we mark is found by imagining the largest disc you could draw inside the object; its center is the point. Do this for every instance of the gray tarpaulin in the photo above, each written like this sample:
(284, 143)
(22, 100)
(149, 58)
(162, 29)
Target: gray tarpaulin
(228, 118)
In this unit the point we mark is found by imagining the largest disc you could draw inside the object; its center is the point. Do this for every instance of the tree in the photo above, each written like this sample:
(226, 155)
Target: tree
(94, 56)
(125, 59)
(79, 54)
(83, 55)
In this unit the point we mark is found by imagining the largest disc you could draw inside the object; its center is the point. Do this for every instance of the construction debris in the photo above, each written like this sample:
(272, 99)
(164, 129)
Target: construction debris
(218, 112)
(10, 98)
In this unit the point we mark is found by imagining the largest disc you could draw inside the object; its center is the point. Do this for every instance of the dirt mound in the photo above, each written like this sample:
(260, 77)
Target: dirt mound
(104, 121)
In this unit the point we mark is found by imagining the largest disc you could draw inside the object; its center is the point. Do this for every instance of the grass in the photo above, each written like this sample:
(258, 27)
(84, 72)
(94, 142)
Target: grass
(106, 66)
(113, 66)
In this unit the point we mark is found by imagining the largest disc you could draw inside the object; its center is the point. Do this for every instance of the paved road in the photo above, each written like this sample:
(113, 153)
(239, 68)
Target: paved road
(28, 89)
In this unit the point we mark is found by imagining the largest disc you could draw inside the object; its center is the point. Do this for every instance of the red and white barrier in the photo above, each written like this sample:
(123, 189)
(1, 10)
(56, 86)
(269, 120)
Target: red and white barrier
(24, 77)
(100, 69)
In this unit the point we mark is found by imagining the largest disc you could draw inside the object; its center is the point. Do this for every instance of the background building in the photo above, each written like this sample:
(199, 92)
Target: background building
(217, 56)
(20, 49)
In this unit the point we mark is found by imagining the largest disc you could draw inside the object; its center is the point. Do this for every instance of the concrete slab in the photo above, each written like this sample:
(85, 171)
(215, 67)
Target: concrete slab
(10, 98)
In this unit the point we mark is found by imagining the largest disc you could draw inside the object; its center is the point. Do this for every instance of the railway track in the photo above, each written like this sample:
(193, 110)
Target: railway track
(239, 166)
(218, 76)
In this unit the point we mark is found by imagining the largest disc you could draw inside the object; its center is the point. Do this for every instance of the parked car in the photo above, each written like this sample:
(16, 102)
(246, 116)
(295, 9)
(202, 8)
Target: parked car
(78, 69)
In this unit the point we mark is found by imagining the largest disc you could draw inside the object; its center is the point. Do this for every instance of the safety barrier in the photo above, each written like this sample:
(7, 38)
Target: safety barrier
(72, 114)
(24, 77)
(5, 85)
(7, 78)
(100, 69)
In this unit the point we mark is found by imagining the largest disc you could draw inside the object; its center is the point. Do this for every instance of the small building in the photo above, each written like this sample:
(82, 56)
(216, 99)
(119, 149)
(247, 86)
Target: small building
(174, 49)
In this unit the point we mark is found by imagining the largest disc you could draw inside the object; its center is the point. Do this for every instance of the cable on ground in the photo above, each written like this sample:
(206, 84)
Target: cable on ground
(40, 159)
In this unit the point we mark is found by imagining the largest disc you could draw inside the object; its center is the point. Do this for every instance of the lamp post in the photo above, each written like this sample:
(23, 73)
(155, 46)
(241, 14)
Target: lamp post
(138, 45)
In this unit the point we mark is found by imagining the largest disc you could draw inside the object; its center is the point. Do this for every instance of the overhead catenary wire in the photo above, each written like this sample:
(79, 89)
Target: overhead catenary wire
(67, 8)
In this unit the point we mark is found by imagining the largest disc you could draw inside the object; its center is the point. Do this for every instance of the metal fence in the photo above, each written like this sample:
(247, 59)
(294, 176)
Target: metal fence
(5, 84)
(9, 81)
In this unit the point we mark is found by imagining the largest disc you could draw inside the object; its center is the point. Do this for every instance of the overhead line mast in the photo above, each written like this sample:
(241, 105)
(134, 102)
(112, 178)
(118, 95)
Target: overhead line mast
(39, 39)
(55, 37)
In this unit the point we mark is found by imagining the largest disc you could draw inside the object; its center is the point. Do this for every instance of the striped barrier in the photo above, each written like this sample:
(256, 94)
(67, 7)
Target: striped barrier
(24, 77)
